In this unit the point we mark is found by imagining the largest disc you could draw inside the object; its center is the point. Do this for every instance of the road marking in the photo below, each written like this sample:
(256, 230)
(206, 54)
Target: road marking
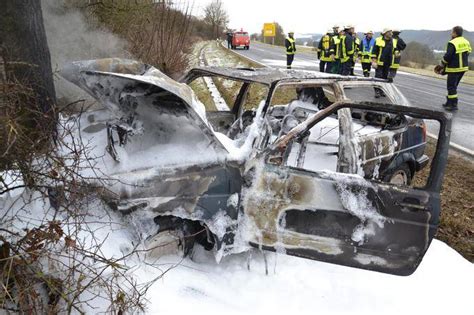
(454, 145)
(429, 93)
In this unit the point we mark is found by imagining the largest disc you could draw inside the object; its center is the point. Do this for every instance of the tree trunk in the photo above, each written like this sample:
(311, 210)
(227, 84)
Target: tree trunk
(24, 50)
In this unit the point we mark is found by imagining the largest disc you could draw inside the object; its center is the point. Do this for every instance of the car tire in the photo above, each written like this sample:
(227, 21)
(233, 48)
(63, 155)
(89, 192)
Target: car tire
(174, 237)
(400, 175)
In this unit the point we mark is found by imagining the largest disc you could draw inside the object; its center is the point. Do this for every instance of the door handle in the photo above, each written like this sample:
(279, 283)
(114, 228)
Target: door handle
(412, 203)
(412, 206)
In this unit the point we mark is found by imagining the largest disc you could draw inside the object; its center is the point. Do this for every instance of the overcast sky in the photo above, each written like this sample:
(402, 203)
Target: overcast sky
(311, 17)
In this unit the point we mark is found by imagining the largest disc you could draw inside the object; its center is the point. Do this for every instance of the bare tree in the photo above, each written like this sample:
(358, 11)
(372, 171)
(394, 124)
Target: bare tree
(216, 17)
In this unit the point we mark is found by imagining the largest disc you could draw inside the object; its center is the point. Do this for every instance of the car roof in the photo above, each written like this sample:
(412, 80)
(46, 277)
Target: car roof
(268, 76)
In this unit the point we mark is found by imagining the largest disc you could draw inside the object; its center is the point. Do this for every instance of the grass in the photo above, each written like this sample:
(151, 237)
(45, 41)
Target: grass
(202, 93)
(429, 72)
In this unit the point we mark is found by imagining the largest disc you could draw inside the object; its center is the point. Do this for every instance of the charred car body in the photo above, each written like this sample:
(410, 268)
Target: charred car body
(311, 170)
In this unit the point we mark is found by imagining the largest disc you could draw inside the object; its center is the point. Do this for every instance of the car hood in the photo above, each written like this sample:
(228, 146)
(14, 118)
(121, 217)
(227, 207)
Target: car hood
(123, 85)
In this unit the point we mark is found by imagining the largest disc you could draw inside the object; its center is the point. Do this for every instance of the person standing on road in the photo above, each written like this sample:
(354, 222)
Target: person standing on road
(356, 49)
(399, 45)
(290, 49)
(366, 52)
(336, 38)
(455, 64)
(326, 52)
(382, 55)
(230, 36)
(346, 50)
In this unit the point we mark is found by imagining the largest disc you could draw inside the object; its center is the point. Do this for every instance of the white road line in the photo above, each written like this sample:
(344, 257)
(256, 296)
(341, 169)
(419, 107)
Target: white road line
(454, 145)
(429, 93)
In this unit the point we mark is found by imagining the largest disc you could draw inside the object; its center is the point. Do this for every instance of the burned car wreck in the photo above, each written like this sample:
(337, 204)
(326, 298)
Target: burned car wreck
(315, 168)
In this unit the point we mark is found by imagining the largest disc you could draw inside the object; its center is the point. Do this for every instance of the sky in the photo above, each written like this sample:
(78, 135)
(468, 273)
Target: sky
(311, 17)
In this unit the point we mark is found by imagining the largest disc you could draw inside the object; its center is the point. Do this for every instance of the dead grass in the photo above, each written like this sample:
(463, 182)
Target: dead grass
(429, 72)
(457, 203)
(202, 93)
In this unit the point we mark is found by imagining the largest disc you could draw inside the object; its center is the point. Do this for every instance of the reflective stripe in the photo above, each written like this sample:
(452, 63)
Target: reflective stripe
(291, 50)
(462, 48)
(453, 96)
(381, 43)
(337, 40)
(345, 53)
(326, 52)
(395, 64)
(366, 54)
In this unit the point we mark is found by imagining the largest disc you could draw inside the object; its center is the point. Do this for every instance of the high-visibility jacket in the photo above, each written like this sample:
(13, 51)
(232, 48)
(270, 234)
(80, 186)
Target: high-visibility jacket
(457, 53)
(398, 46)
(326, 48)
(290, 46)
(366, 49)
(383, 51)
(346, 47)
(337, 53)
(356, 44)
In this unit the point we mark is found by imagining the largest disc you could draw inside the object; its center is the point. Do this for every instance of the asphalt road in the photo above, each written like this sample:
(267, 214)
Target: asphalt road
(421, 91)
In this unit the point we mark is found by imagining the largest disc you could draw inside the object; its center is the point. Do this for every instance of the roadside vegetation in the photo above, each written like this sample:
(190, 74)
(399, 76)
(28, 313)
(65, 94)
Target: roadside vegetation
(457, 202)
(53, 257)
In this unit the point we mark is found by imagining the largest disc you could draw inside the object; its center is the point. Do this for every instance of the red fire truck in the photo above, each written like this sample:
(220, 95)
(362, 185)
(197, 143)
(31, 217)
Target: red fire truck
(240, 39)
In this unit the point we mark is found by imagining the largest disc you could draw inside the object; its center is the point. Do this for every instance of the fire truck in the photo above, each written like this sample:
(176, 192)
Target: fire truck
(240, 39)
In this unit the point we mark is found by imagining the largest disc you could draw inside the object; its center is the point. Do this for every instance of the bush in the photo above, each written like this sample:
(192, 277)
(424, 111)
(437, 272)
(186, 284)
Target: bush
(157, 33)
(418, 54)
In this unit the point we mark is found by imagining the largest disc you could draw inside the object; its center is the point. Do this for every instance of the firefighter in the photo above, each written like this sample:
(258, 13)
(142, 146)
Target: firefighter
(382, 55)
(326, 52)
(455, 64)
(230, 36)
(356, 49)
(290, 49)
(366, 52)
(336, 38)
(399, 45)
(346, 50)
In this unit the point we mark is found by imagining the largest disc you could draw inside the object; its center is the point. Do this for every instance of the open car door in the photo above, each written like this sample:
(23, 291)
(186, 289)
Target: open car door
(338, 217)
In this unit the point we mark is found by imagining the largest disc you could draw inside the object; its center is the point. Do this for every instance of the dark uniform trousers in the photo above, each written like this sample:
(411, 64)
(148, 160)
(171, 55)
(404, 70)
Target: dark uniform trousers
(453, 81)
(325, 66)
(289, 60)
(382, 72)
(346, 67)
(366, 66)
(336, 66)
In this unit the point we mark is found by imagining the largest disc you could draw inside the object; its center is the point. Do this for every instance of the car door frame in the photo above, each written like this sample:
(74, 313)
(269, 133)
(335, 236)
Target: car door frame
(398, 202)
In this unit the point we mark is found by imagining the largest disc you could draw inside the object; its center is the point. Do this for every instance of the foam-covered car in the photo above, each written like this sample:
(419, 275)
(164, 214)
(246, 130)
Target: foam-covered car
(302, 162)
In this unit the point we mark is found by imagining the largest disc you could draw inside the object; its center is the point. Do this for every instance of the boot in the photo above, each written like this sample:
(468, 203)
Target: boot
(451, 104)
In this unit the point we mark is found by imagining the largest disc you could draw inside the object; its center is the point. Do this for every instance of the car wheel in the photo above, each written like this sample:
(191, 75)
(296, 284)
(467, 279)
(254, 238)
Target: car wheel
(164, 243)
(174, 237)
(401, 175)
